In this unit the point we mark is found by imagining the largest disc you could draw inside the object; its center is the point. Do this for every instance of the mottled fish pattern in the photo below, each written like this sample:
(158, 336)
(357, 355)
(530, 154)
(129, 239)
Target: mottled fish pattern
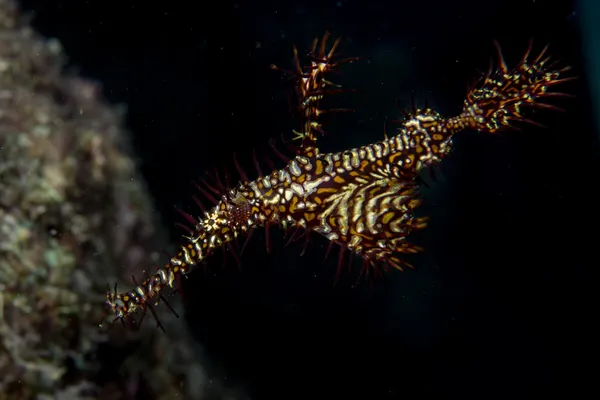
(362, 199)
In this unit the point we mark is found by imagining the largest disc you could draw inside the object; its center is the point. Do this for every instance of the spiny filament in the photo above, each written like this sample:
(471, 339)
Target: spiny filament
(362, 199)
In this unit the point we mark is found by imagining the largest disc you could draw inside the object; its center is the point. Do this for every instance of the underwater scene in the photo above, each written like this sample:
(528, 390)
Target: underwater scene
(297, 200)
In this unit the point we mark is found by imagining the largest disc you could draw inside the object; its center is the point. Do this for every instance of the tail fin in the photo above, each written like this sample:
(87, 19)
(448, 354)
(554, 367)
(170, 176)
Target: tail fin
(495, 103)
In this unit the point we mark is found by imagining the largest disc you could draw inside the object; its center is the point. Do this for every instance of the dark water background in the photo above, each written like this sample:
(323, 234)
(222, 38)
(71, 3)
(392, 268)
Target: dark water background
(497, 308)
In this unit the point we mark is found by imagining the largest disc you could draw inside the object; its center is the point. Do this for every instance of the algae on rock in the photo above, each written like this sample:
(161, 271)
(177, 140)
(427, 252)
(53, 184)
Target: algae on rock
(73, 211)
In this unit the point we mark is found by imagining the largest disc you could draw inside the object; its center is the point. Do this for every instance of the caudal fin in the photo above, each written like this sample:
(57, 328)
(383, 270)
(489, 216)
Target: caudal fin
(497, 101)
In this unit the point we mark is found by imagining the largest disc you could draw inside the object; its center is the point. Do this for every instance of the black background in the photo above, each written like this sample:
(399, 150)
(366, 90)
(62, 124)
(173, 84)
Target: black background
(497, 307)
